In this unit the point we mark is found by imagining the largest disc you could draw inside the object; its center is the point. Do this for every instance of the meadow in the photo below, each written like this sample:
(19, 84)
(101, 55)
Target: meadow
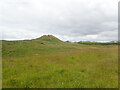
(47, 62)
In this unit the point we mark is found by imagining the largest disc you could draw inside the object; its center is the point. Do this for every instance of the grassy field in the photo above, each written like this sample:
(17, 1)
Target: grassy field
(50, 63)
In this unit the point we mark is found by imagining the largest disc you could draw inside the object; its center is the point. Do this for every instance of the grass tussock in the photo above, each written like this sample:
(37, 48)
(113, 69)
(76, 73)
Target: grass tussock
(44, 64)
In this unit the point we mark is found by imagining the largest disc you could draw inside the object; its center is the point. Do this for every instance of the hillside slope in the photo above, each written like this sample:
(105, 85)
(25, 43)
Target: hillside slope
(45, 44)
(49, 38)
(48, 62)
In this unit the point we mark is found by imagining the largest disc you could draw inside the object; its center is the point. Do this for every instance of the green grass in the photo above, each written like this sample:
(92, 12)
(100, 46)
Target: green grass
(49, 64)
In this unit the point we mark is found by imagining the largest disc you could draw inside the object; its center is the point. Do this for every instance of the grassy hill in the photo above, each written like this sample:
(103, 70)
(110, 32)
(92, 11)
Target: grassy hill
(49, 38)
(48, 62)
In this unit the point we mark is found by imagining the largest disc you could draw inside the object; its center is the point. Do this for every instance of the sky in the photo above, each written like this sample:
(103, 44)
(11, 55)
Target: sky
(73, 20)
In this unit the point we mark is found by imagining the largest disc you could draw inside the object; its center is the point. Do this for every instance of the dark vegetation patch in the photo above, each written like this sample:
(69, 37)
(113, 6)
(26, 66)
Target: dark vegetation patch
(96, 43)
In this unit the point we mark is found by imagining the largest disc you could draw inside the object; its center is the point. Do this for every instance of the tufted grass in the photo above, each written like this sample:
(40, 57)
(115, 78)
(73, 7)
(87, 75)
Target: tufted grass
(44, 64)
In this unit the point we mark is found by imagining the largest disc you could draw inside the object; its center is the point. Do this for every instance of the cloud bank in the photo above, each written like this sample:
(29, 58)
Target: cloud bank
(72, 20)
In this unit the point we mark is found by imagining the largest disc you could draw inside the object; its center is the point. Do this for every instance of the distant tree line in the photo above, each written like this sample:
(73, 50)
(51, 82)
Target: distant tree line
(99, 43)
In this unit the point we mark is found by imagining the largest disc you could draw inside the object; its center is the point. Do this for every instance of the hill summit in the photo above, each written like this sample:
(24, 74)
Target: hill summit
(50, 38)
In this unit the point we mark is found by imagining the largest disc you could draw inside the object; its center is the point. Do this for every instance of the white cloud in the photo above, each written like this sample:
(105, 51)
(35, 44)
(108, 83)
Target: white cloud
(73, 20)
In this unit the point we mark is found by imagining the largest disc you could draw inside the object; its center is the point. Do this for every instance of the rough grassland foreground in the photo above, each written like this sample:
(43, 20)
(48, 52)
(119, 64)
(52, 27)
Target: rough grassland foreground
(51, 63)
